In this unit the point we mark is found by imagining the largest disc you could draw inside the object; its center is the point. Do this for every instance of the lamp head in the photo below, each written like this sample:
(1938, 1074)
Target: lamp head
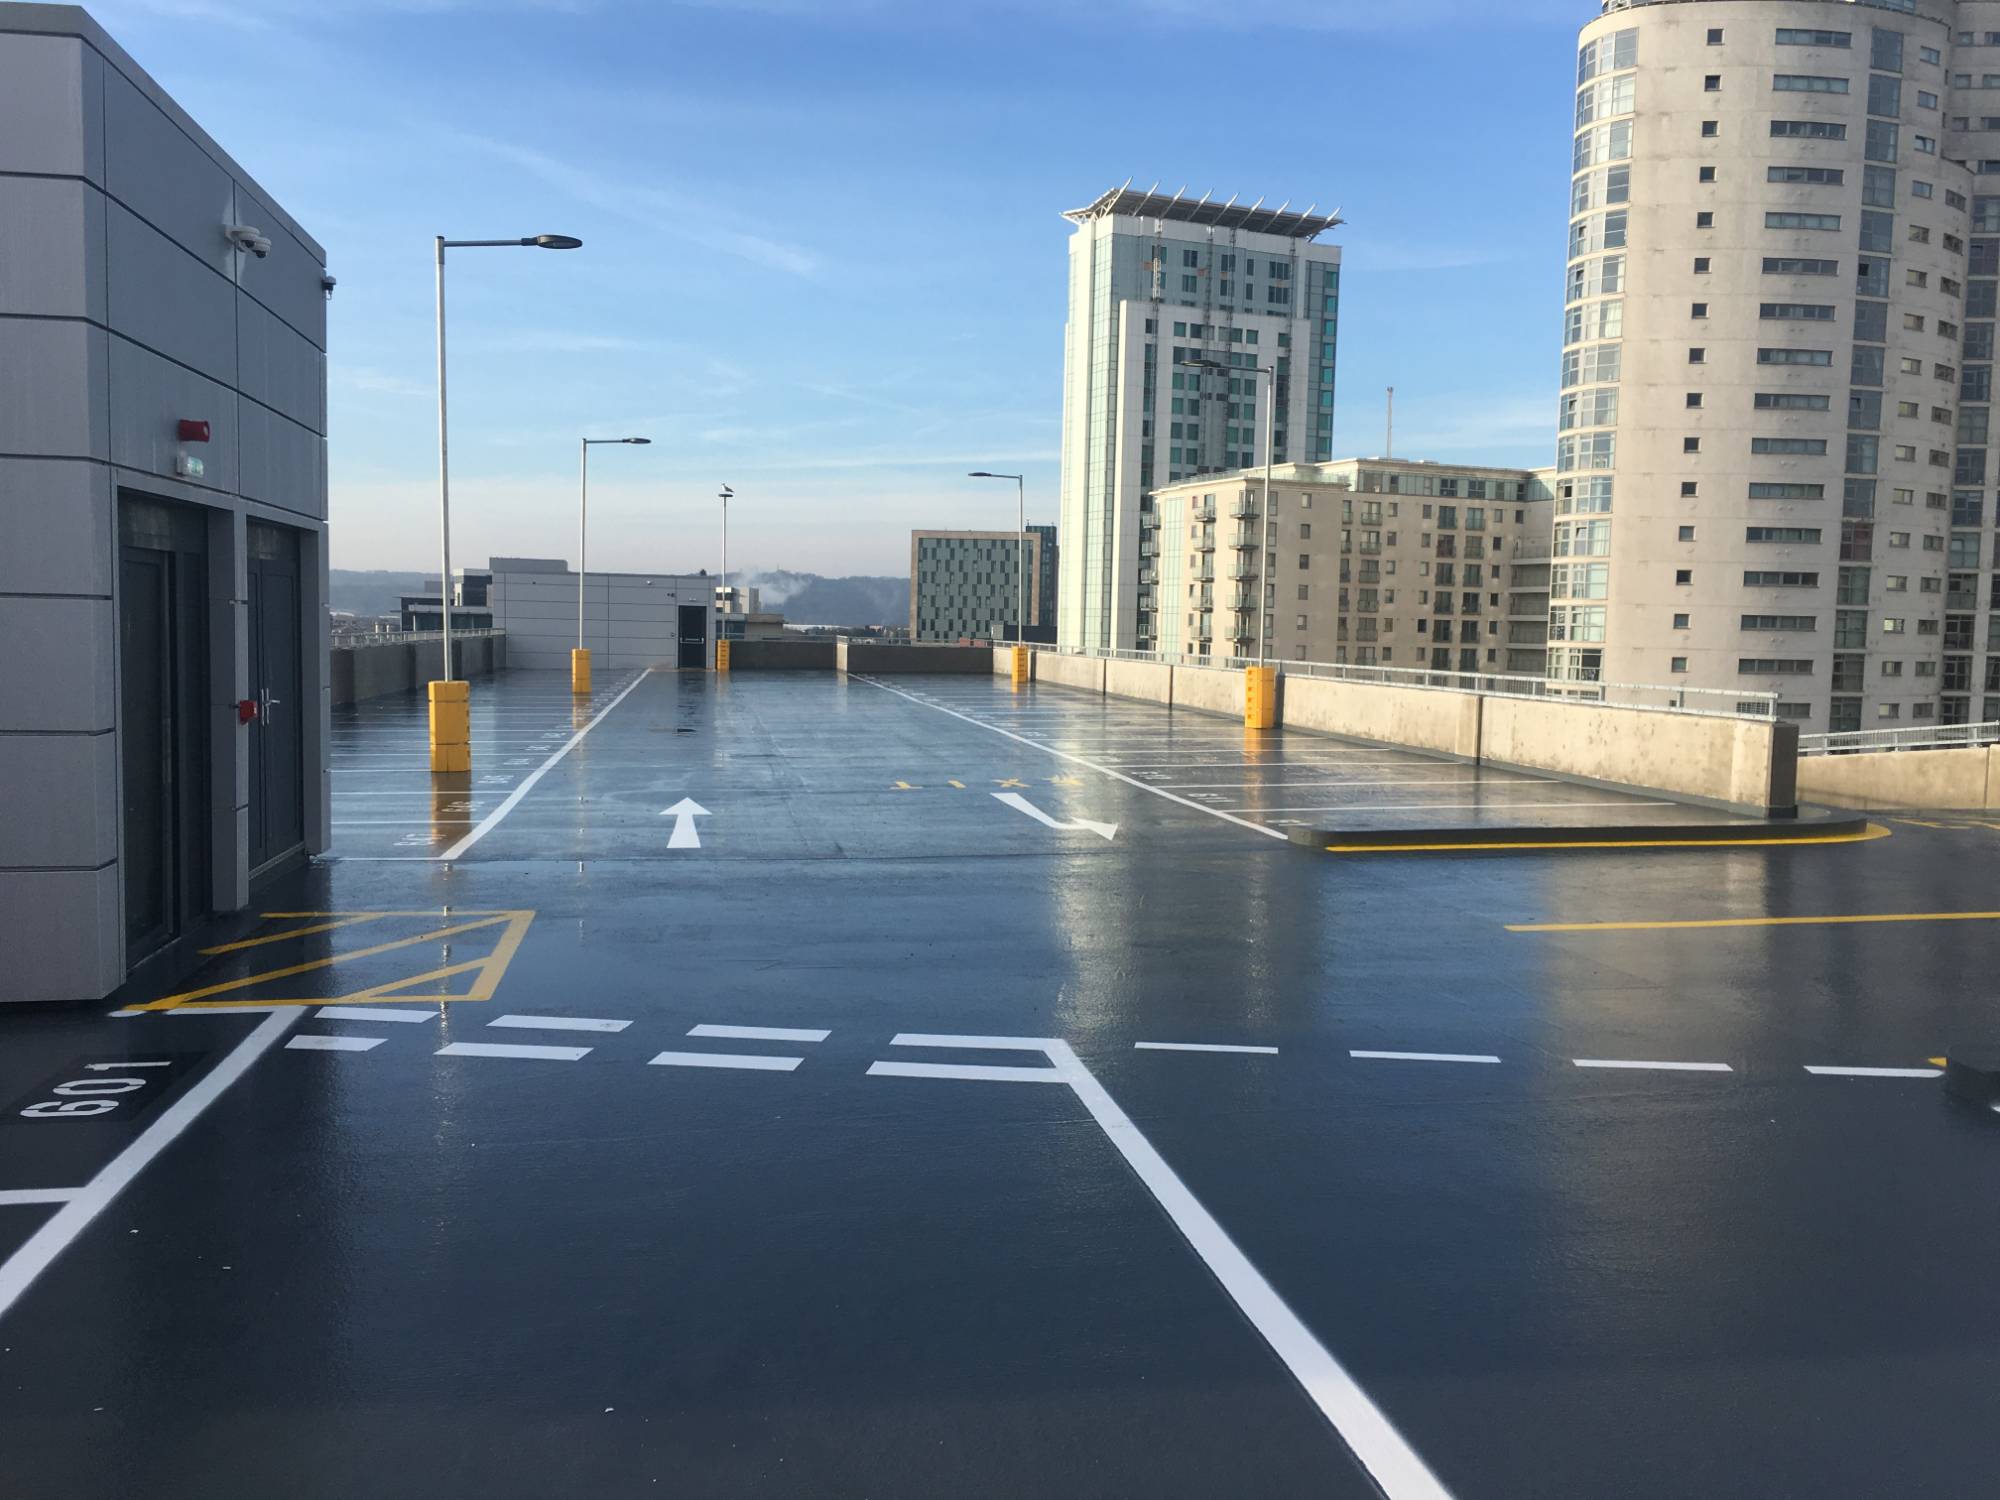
(554, 242)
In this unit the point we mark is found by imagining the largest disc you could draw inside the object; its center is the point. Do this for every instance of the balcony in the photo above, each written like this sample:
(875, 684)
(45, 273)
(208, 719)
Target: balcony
(1149, 575)
(1203, 543)
(1202, 510)
(1244, 510)
(1242, 569)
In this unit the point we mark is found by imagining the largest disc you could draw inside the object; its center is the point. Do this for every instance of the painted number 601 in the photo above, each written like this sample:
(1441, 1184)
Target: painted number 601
(81, 1098)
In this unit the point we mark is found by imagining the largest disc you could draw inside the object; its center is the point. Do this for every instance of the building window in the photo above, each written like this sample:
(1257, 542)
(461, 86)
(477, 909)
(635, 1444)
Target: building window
(1701, 265)
(1690, 445)
(1709, 128)
(1684, 575)
(1705, 174)
(1698, 310)
(1697, 356)
(1689, 488)
(1677, 664)
(1704, 220)
(1686, 534)
(1715, 36)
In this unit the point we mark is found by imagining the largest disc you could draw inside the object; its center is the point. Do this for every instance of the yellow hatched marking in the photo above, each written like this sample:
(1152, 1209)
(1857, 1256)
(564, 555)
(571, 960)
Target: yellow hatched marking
(292, 932)
(491, 968)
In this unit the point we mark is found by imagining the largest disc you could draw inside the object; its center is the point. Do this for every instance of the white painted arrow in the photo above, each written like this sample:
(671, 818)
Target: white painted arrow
(1021, 804)
(684, 812)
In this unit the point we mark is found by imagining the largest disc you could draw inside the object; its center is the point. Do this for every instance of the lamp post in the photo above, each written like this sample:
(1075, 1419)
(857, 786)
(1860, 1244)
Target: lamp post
(1021, 549)
(579, 659)
(1263, 519)
(451, 725)
(725, 497)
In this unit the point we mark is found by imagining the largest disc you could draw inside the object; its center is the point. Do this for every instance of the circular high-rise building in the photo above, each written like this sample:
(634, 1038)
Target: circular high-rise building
(1772, 463)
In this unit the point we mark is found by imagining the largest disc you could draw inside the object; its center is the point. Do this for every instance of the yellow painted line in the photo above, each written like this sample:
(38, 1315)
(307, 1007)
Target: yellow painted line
(1936, 1062)
(959, 784)
(1873, 831)
(351, 920)
(172, 1002)
(1856, 920)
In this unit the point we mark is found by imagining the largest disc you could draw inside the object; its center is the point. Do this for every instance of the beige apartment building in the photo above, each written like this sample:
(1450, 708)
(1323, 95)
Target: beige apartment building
(1774, 465)
(1369, 561)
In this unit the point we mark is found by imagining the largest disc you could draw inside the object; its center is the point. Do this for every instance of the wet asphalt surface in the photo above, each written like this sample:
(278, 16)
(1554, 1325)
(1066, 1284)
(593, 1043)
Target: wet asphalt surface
(351, 1259)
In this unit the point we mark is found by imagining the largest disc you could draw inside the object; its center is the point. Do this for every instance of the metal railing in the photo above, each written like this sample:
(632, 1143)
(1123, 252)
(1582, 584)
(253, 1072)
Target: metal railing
(360, 639)
(1718, 703)
(1915, 737)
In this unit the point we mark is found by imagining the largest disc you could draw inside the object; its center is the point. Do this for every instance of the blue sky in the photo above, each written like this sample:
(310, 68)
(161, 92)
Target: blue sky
(823, 260)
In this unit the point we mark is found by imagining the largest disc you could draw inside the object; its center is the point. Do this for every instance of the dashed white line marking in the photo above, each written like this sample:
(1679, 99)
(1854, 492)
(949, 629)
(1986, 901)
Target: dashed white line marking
(19, 1270)
(37, 1195)
(1199, 1047)
(986, 1073)
(973, 1043)
(1665, 1067)
(511, 1049)
(1445, 1057)
(762, 1033)
(372, 1013)
(557, 1023)
(334, 1043)
(1833, 1072)
(726, 1060)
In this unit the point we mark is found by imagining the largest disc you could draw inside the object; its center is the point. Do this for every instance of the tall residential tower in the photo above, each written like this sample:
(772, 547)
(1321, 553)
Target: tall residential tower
(1155, 282)
(1773, 463)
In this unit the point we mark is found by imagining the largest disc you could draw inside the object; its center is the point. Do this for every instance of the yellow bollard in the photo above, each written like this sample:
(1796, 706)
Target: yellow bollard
(579, 671)
(1020, 668)
(451, 726)
(1260, 697)
(722, 656)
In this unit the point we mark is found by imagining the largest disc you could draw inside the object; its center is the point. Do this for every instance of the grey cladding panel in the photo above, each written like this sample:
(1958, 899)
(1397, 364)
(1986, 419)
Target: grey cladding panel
(45, 94)
(51, 248)
(61, 939)
(55, 675)
(148, 398)
(55, 527)
(277, 366)
(62, 795)
(152, 167)
(288, 279)
(282, 462)
(162, 297)
(52, 381)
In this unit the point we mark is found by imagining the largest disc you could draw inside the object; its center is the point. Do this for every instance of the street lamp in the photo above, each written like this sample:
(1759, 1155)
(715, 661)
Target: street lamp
(725, 497)
(1264, 519)
(451, 728)
(579, 660)
(1021, 549)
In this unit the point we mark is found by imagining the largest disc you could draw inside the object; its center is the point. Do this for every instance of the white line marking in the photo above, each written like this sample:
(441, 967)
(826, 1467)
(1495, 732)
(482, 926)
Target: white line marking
(511, 1049)
(373, 1013)
(972, 1043)
(1359, 1421)
(1669, 1067)
(1198, 1047)
(1213, 812)
(762, 1033)
(987, 1073)
(725, 1060)
(21, 1268)
(1015, 800)
(1831, 1072)
(557, 1023)
(514, 797)
(1455, 1057)
(37, 1195)
(1489, 805)
(335, 1043)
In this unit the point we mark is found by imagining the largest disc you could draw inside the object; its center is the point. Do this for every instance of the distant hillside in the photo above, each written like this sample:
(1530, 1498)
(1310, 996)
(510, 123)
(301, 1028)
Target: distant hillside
(805, 598)
(370, 593)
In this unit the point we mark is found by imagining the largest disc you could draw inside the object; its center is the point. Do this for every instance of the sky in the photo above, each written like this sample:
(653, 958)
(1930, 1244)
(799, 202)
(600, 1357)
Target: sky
(823, 259)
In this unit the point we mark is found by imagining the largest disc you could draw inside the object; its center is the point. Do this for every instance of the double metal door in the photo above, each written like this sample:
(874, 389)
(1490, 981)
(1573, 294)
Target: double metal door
(277, 760)
(693, 636)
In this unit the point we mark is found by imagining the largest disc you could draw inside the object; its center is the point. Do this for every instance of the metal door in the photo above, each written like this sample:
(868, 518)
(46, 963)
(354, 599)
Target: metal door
(162, 721)
(277, 763)
(694, 636)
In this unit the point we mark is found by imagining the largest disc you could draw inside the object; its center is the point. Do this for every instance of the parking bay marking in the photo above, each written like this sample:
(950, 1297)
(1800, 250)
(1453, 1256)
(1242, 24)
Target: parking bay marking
(754, 1061)
(312, 1043)
(557, 1023)
(19, 1270)
(1393, 1464)
(512, 1049)
(1199, 1047)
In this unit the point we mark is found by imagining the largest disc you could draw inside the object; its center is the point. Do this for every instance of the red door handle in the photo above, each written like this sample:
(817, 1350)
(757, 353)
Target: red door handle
(246, 710)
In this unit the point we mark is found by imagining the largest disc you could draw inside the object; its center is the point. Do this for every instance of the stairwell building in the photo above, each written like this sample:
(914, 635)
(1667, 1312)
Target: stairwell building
(1156, 282)
(1774, 460)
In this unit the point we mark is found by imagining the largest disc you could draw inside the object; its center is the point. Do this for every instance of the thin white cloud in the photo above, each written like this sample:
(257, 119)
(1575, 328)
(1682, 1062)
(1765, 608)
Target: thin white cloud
(676, 215)
(380, 382)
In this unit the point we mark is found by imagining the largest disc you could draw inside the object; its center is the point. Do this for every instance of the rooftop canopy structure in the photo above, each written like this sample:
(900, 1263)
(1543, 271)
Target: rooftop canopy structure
(1150, 204)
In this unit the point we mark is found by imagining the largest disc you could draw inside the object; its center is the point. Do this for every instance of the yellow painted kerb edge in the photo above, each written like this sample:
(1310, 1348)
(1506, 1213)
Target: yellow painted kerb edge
(1872, 831)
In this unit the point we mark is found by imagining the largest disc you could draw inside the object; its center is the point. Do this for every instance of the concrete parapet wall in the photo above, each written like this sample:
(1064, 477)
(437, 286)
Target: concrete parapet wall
(782, 656)
(1211, 689)
(1151, 681)
(1420, 718)
(1966, 778)
(877, 656)
(1064, 671)
(376, 670)
(1741, 762)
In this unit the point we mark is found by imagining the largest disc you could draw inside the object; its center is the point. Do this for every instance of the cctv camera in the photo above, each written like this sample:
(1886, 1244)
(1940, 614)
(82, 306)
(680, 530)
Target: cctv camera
(260, 247)
(244, 237)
